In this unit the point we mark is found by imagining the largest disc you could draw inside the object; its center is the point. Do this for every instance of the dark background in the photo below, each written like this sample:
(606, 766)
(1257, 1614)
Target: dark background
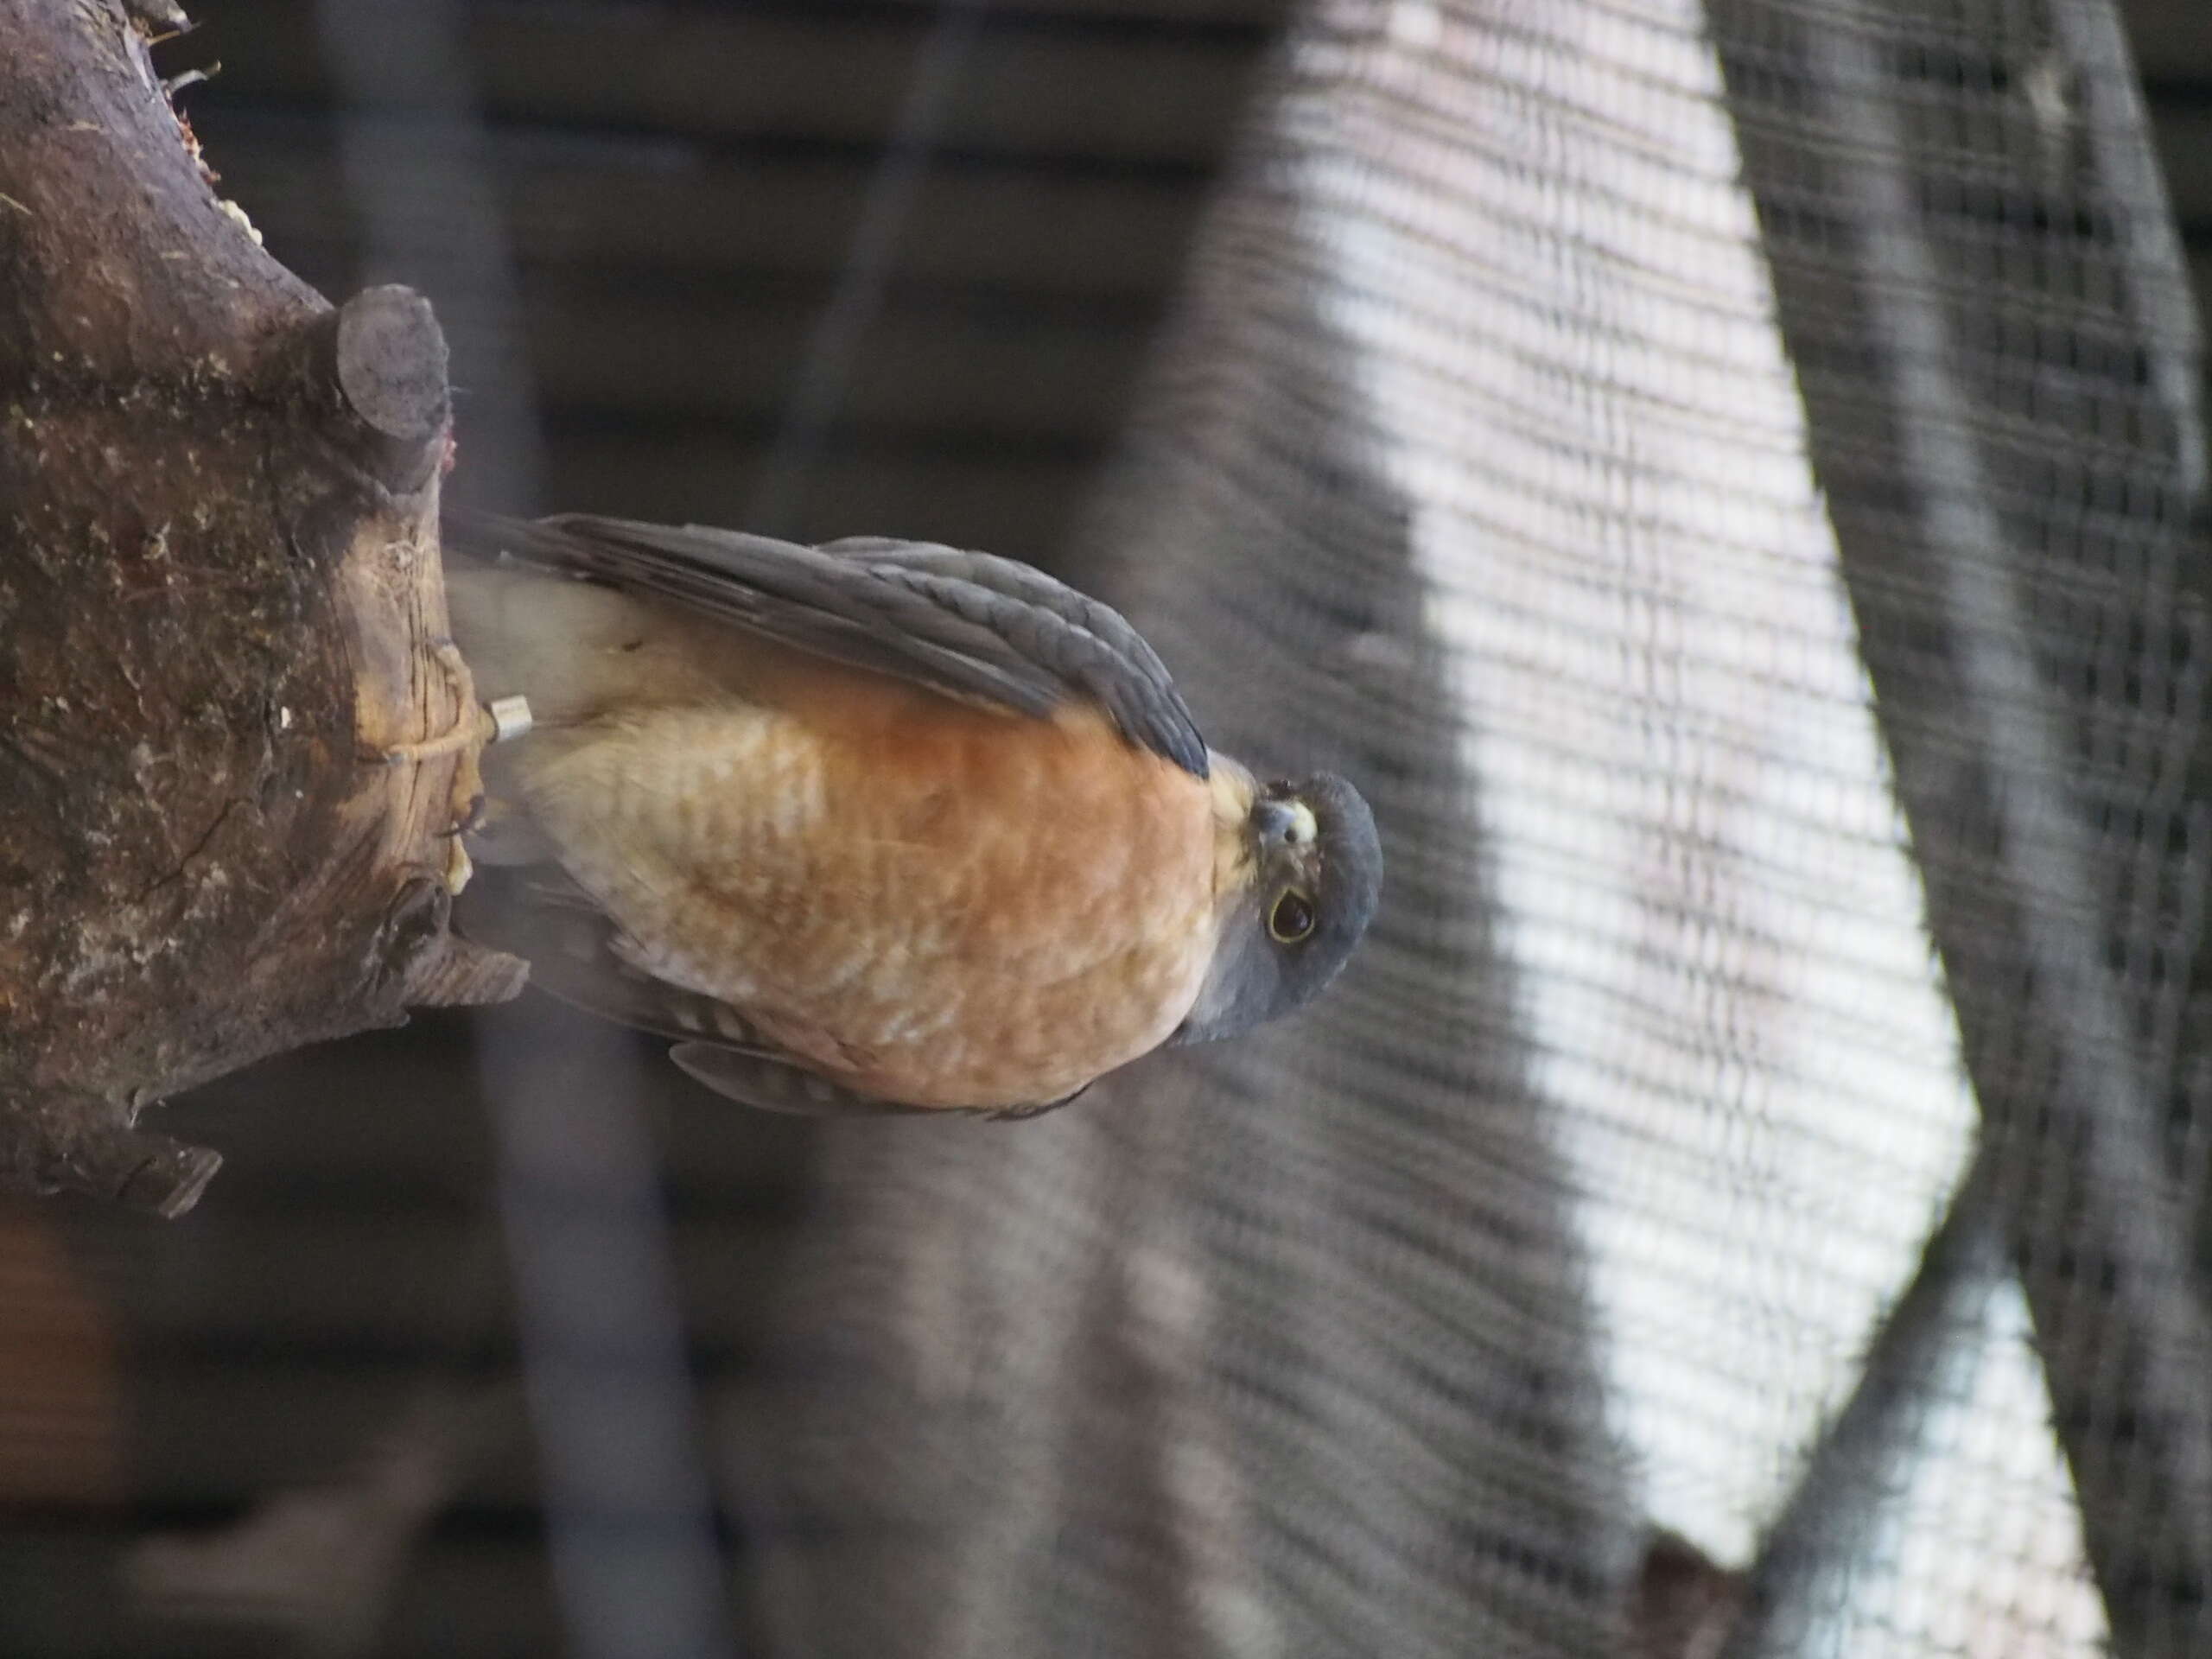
(681, 185)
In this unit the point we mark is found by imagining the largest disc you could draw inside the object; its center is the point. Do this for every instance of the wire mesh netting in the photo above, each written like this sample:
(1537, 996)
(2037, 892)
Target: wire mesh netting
(1723, 480)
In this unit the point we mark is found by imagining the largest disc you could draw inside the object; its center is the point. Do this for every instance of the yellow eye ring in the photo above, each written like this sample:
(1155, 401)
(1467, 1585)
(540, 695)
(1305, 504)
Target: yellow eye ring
(1292, 918)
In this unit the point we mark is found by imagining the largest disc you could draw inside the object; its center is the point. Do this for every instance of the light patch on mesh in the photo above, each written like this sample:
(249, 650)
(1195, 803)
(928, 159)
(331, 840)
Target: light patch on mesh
(1567, 334)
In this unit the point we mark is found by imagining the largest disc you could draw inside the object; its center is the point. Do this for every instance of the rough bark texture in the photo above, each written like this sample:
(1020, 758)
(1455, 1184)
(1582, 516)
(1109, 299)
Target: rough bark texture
(220, 603)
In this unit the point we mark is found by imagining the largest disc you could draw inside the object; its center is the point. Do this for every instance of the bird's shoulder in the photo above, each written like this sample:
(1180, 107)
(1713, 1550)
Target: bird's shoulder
(963, 626)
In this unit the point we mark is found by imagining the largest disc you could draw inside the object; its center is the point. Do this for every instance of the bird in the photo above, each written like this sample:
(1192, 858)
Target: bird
(875, 826)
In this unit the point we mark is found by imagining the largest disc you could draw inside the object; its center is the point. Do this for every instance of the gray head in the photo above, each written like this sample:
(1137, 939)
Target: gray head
(1317, 872)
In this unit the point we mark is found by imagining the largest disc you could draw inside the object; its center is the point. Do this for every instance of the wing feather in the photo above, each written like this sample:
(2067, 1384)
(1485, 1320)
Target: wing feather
(573, 950)
(965, 625)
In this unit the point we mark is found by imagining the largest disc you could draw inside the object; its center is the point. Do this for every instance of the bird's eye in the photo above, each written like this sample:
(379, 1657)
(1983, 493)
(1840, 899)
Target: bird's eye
(1292, 918)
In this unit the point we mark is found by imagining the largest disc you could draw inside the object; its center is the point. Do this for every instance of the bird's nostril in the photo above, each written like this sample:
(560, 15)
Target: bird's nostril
(1272, 821)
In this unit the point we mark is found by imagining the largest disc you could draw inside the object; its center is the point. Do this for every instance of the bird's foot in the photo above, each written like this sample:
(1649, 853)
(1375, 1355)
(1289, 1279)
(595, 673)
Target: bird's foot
(471, 728)
(480, 722)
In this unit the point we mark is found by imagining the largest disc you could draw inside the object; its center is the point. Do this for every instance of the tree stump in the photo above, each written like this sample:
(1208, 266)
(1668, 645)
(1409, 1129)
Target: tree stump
(220, 608)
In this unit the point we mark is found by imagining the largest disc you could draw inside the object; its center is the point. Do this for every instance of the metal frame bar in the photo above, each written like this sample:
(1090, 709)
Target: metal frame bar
(1849, 1477)
(629, 1513)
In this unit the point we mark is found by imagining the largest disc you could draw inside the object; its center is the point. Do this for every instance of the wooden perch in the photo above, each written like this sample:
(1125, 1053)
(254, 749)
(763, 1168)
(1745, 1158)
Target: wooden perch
(220, 608)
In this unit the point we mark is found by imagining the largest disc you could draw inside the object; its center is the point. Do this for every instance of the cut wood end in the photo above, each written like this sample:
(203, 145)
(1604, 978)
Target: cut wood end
(161, 13)
(84, 1143)
(391, 363)
(168, 1176)
(458, 974)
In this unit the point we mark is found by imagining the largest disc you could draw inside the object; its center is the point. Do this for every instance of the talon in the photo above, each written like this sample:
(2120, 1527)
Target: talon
(470, 815)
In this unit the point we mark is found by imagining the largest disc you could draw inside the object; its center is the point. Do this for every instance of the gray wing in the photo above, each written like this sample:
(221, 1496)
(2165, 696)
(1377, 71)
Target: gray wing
(542, 916)
(539, 912)
(966, 624)
(754, 1079)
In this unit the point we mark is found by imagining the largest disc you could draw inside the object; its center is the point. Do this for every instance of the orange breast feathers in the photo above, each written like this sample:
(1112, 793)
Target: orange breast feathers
(935, 904)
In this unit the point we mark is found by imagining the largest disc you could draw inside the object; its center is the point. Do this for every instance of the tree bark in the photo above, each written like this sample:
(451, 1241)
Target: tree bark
(220, 607)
